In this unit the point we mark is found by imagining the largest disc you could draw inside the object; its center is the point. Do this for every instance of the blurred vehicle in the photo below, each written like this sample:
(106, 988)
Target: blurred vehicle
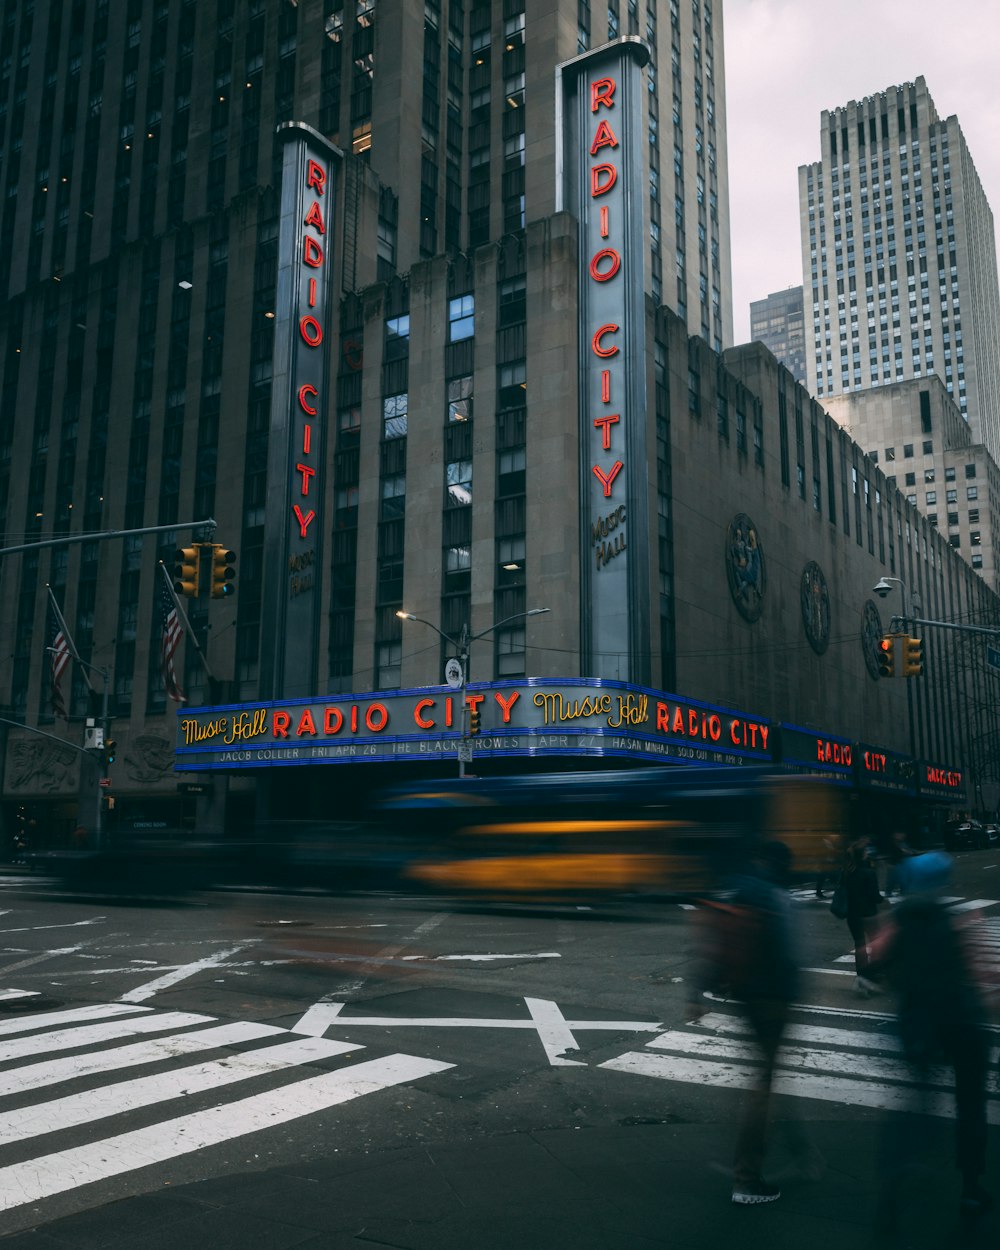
(992, 834)
(658, 832)
(965, 835)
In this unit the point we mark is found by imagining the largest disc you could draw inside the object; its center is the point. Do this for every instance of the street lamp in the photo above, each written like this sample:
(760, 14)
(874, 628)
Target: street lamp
(882, 588)
(462, 645)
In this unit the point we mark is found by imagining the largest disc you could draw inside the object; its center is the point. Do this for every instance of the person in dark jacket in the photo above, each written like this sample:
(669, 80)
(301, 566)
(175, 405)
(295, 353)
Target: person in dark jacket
(748, 951)
(929, 959)
(863, 901)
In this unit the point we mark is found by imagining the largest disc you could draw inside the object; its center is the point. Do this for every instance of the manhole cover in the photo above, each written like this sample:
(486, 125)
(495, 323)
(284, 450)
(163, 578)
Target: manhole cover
(35, 1003)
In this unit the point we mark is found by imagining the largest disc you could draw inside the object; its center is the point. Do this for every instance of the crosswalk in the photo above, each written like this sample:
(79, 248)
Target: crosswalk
(850, 1066)
(40, 1151)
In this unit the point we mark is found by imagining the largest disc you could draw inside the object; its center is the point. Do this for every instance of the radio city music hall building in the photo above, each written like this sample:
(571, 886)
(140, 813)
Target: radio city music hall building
(428, 307)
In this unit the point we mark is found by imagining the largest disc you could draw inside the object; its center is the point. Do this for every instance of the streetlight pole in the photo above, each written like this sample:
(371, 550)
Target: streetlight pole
(882, 588)
(463, 645)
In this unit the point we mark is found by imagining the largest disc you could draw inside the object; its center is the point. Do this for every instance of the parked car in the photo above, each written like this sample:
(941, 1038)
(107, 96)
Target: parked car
(992, 834)
(965, 835)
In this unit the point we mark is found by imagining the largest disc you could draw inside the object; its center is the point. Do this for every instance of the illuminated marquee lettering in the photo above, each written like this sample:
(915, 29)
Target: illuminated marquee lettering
(828, 752)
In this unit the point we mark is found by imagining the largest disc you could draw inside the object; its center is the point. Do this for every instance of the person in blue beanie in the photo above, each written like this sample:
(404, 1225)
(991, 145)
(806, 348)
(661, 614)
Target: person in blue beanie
(927, 958)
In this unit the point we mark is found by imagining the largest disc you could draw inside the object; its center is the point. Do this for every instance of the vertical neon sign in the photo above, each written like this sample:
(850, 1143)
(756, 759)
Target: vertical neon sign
(294, 525)
(602, 179)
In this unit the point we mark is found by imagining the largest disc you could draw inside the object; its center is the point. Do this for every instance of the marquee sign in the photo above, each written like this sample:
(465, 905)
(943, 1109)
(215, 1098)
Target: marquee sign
(602, 135)
(294, 519)
(938, 781)
(804, 750)
(879, 769)
(535, 716)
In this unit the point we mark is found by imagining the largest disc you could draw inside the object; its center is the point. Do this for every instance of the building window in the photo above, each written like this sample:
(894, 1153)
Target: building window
(975, 539)
(952, 496)
(972, 492)
(970, 470)
(460, 399)
(461, 318)
(890, 453)
(397, 337)
(977, 560)
(949, 474)
(928, 475)
(458, 481)
(911, 479)
(928, 447)
(907, 451)
(931, 497)
(394, 409)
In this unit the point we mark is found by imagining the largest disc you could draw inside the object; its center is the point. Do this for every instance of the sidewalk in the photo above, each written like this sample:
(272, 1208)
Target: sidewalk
(620, 1187)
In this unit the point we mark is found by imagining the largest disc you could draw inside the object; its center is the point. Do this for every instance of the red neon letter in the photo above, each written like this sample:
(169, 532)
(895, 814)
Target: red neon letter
(303, 392)
(304, 521)
(311, 331)
(333, 719)
(597, 187)
(279, 724)
(595, 342)
(604, 137)
(312, 253)
(607, 479)
(506, 704)
(424, 724)
(307, 473)
(306, 724)
(602, 92)
(604, 424)
(376, 717)
(663, 718)
(316, 177)
(606, 386)
(606, 253)
(306, 439)
(315, 217)
(354, 354)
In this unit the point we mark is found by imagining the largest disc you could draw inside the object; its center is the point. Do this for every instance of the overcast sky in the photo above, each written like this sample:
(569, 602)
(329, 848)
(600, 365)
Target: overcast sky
(787, 60)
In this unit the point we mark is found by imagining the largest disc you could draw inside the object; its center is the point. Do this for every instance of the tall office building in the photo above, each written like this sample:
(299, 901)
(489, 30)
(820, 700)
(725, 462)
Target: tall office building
(899, 256)
(426, 306)
(777, 322)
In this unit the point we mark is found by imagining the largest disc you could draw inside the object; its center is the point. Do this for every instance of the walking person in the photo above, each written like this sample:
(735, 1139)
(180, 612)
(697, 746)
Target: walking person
(749, 951)
(929, 958)
(863, 900)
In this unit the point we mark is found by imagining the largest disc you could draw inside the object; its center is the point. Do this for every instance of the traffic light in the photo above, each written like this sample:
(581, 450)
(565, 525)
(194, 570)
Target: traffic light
(223, 573)
(887, 656)
(187, 571)
(110, 747)
(913, 657)
(474, 721)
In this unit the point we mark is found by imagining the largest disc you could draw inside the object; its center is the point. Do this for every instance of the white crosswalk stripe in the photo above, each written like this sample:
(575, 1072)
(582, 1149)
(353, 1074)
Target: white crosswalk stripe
(268, 1055)
(850, 1066)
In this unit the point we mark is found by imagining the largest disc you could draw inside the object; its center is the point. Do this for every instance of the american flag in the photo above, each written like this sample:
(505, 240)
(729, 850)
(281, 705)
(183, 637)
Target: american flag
(60, 661)
(170, 640)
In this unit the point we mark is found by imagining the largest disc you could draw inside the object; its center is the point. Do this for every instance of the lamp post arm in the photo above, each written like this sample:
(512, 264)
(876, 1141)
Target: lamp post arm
(518, 616)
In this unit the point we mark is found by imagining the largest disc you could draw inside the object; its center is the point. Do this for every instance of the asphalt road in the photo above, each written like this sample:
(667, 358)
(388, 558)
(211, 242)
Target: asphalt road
(148, 1045)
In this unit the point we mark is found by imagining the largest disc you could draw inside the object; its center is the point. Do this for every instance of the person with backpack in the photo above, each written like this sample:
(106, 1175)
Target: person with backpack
(929, 959)
(748, 951)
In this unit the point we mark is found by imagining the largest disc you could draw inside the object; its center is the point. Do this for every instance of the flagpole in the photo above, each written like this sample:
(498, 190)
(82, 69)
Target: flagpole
(70, 644)
(187, 624)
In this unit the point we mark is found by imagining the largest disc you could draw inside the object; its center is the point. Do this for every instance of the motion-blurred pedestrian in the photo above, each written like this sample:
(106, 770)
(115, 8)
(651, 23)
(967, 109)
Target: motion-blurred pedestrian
(863, 900)
(928, 957)
(749, 951)
(898, 852)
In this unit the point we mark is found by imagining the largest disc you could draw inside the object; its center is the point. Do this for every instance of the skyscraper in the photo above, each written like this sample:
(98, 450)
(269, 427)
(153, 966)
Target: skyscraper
(899, 256)
(777, 322)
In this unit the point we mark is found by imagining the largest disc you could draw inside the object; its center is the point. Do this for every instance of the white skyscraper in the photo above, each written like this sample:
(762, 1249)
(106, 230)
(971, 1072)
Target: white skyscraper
(899, 257)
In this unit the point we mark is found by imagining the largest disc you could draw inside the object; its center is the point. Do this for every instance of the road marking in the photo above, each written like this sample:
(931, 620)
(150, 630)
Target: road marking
(34, 1179)
(37, 928)
(146, 1091)
(96, 1011)
(482, 958)
(142, 992)
(5, 994)
(832, 972)
(37, 959)
(52, 1071)
(974, 904)
(802, 1033)
(553, 1032)
(89, 1035)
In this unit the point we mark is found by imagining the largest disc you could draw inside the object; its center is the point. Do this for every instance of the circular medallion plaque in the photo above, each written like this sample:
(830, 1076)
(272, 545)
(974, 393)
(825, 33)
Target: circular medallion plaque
(815, 601)
(745, 567)
(871, 636)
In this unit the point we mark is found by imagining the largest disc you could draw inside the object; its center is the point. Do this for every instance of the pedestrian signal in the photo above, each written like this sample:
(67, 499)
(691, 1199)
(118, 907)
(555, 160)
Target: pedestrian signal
(913, 657)
(474, 725)
(186, 571)
(223, 572)
(887, 656)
